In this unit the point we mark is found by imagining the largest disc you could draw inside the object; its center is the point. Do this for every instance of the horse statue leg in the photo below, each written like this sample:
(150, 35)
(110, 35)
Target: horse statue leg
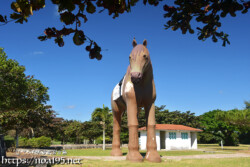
(152, 155)
(117, 114)
(133, 146)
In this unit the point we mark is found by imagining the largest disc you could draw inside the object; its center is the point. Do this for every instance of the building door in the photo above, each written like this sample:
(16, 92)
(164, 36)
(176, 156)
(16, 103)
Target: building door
(193, 140)
(162, 139)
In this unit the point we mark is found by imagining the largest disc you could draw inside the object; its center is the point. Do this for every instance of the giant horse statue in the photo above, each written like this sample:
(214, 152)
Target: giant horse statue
(135, 90)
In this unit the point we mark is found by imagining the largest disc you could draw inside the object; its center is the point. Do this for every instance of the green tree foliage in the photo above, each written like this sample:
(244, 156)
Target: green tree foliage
(103, 116)
(207, 138)
(238, 118)
(22, 98)
(18, 91)
(56, 130)
(35, 142)
(74, 131)
(247, 103)
(180, 15)
(219, 128)
(91, 130)
(163, 116)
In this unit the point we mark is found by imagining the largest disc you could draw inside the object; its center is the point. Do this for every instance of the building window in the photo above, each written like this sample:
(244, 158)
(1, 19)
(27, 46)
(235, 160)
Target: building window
(184, 135)
(172, 135)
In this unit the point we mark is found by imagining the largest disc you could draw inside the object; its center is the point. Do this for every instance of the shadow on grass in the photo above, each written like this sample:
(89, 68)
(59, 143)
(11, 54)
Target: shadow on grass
(229, 149)
(142, 153)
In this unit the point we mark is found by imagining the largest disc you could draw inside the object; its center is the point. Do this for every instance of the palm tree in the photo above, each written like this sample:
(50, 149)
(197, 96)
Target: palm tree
(102, 115)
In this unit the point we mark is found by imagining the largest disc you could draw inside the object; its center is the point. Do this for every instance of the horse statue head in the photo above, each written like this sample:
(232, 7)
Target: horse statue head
(139, 61)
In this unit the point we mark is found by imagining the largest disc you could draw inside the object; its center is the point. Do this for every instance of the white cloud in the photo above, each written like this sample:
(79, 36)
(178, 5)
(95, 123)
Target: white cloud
(37, 53)
(70, 107)
(56, 11)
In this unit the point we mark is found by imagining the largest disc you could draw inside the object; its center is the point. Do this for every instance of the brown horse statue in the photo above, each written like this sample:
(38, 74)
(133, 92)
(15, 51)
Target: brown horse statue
(136, 90)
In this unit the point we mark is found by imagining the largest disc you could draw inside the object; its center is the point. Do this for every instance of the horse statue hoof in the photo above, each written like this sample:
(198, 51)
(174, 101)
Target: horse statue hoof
(134, 157)
(117, 152)
(153, 156)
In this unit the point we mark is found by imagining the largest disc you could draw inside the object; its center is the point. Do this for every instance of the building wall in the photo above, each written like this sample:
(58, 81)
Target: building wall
(194, 140)
(143, 140)
(178, 143)
(171, 144)
(157, 134)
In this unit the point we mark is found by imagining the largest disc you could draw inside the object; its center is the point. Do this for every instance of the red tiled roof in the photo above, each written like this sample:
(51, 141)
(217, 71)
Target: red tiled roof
(172, 127)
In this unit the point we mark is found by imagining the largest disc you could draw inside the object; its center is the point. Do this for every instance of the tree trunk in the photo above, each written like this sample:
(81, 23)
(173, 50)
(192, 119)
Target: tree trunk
(17, 138)
(103, 144)
(2, 147)
(32, 132)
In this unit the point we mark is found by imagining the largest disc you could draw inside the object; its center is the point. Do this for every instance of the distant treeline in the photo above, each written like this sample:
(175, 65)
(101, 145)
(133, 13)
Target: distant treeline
(232, 127)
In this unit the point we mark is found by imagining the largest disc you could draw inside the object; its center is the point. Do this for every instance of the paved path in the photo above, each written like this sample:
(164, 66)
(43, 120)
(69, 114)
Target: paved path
(204, 156)
(207, 156)
(121, 158)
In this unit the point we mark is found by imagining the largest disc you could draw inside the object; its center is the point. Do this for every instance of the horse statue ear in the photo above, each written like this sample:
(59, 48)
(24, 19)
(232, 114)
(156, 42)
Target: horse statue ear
(145, 42)
(134, 43)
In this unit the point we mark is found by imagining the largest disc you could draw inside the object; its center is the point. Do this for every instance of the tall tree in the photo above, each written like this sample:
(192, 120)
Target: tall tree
(22, 98)
(238, 118)
(164, 116)
(102, 115)
(181, 15)
(91, 130)
(74, 131)
(247, 103)
(219, 128)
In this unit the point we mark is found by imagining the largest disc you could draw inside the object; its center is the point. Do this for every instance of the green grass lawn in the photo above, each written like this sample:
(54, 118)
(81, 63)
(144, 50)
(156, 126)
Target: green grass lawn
(210, 148)
(228, 149)
(224, 162)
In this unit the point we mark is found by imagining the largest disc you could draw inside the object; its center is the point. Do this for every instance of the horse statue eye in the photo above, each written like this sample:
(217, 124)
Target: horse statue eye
(145, 56)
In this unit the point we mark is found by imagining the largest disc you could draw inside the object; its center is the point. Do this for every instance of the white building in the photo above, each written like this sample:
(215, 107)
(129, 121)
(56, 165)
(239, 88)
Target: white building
(171, 137)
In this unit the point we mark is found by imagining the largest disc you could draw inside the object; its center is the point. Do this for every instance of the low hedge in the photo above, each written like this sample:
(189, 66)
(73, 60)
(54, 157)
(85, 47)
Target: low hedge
(35, 142)
(9, 142)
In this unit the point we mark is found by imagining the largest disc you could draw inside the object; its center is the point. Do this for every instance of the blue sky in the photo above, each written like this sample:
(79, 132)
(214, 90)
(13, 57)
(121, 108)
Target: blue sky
(189, 74)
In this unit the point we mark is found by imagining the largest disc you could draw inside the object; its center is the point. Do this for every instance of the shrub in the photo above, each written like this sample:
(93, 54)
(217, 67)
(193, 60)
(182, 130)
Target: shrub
(22, 142)
(32, 142)
(9, 142)
(43, 141)
(99, 140)
(35, 142)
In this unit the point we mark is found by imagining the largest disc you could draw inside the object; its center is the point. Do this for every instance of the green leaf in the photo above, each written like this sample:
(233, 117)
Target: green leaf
(59, 41)
(37, 4)
(90, 7)
(42, 38)
(67, 18)
(82, 7)
(2, 18)
(15, 16)
(15, 7)
(66, 5)
(191, 31)
(79, 38)
(244, 11)
(83, 16)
